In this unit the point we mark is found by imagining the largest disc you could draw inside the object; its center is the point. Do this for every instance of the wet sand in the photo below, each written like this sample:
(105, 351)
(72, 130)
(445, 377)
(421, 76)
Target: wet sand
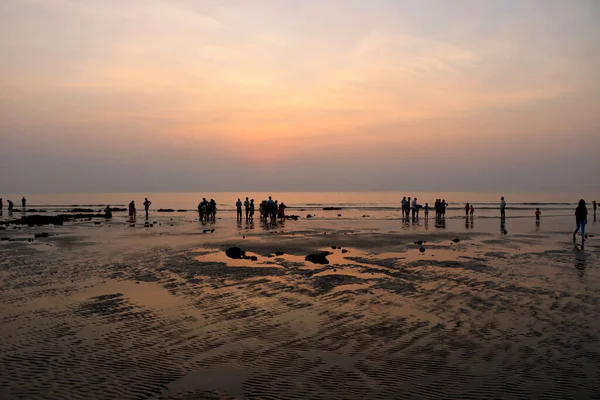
(131, 312)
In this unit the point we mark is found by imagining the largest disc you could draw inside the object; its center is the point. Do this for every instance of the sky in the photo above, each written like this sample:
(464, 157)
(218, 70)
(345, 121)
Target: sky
(327, 95)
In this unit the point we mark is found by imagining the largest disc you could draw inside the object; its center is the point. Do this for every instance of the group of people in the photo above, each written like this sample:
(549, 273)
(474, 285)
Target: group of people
(270, 210)
(414, 207)
(11, 205)
(207, 210)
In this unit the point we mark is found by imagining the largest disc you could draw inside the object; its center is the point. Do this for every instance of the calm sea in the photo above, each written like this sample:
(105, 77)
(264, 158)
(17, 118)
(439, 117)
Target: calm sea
(382, 205)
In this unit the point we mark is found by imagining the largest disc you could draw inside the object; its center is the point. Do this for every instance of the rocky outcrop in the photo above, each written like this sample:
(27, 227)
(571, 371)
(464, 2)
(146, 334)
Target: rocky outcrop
(318, 258)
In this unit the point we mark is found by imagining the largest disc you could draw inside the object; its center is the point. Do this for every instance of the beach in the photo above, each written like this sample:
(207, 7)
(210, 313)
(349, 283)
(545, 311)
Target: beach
(464, 308)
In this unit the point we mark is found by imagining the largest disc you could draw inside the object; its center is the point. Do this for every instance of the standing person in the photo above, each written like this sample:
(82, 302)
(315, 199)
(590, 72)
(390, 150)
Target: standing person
(247, 208)
(281, 211)
(593, 204)
(10, 205)
(502, 208)
(472, 210)
(270, 210)
(147, 206)
(238, 206)
(132, 211)
(252, 210)
(426, 210)
(24, 202)
(407, 211)
(415, 208)
(403, 203)
(443, 206)
(537, 215)
(467, 209)
(1, 204)
(581, 219)
(212, 209)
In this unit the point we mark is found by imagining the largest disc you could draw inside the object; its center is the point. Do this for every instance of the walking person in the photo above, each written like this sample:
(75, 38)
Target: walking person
(581, 220)
(502, 208)
(147, 206)
(10, 205)
(537, 215)
(426, 211)
(467, 209)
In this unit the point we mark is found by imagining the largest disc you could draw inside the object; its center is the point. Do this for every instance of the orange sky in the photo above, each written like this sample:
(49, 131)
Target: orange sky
(278, 84)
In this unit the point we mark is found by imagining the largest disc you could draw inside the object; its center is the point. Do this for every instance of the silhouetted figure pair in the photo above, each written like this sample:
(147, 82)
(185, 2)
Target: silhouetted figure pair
(207, 210)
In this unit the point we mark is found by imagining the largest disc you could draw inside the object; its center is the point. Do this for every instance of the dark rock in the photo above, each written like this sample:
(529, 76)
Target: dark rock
(456, 240)
(253, 258)
(279, 253)
(235, 252)
(309, 216)
(39, 220)
(181, 210)
(318, 258)
(81, 210)
(334, 247)
(292, 217)
(5, 238)
(117, 209)
(339, 248)
(165, 210)
(422, 249)
(505, 232)
(344, 251)
(243, 237)
(97, 223)
(339, 215)
(419, 242)
(332, 208)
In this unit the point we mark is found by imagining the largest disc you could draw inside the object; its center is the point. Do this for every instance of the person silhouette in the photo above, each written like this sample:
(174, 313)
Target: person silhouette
(247, 208)
(147, 204)
(132, 211)
(24, 202)
(238, 206)
(581, 220)
(502, 208)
